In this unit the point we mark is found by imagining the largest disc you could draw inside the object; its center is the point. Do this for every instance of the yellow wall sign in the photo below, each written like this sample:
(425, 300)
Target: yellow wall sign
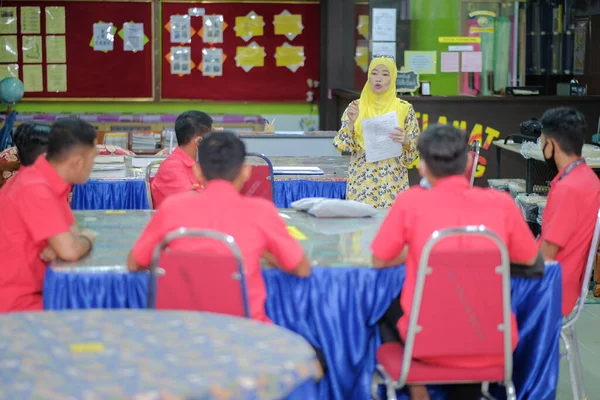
(288, 24)
(250, 56)
(459, 39)
(363, 25)
(249, 26)
(289, 56)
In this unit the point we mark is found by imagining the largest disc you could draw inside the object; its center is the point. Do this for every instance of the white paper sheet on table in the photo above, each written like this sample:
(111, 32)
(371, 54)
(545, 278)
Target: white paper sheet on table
(297, 171)
(376, 133)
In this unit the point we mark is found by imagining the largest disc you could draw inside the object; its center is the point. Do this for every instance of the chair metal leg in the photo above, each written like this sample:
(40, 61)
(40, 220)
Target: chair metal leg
(569, 356)
(485, 391)
(375, 383)
(577, 361)
(511, 393)
(390, 384)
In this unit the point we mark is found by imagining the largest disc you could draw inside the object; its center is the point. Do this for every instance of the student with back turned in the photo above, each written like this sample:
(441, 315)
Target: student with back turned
(37, 223)
(450, 202)
(254, 223)
(179, 173)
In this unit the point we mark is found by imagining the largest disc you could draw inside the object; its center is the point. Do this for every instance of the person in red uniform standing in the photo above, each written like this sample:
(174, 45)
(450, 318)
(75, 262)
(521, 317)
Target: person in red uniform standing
(37, 223)
(450, 202)
(253, 222)
(179, 172)
(573, 201)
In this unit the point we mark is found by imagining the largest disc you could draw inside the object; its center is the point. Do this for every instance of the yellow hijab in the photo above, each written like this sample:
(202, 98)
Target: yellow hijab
(373, 104)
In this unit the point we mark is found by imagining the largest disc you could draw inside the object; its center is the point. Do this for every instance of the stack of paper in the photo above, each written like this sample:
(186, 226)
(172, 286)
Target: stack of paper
(141, 161)
(108, 167)
(297, 171)
(143, 142)
(116, 139)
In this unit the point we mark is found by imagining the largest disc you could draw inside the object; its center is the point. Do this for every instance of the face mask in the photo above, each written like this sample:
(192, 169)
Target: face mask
(551, 162)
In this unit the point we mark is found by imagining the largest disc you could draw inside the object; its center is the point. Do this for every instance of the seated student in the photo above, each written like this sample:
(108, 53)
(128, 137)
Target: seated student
(31, 140)
(573, 201)
(254, 223)
(179, 172)
(37, 223)
(450, 202)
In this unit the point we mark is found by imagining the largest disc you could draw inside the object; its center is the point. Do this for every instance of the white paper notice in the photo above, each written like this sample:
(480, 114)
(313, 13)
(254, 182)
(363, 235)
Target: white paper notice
(383, 49)
(212, 31)
(133, 36)
(104, 37)
(181, 60)
(378, 143)
(212, 62)
(384, 25)
(180, 29)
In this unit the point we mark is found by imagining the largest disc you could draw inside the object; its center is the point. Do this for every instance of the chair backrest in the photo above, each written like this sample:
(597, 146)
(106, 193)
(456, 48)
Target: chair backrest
(587, 275)
(261, 181)
(198, 280)
(474, 318)
(148, 178)
(475, 146)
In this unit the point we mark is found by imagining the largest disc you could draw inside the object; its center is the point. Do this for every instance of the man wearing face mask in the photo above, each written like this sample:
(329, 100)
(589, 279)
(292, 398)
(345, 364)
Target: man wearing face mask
(180, 173)
(570, 214)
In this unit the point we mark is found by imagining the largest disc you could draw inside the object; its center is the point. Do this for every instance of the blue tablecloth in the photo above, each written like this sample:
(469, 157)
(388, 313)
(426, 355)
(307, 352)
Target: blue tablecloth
(131, 194)
(337, 310)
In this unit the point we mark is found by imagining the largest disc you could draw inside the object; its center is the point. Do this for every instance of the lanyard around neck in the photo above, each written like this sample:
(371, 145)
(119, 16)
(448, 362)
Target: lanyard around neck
(571, 167)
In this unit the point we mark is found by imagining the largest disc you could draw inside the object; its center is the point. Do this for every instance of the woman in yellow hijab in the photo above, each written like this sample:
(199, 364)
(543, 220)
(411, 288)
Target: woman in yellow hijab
(379, 182)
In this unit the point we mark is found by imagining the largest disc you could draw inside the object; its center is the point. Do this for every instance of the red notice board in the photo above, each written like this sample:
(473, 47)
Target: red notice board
(269, 83)
(91, 75)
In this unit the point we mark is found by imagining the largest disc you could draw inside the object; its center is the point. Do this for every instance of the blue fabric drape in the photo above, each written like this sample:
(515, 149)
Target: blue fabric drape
(337, 309)
(286, 192)
(6, 130)
(110, 195)
(131, 194)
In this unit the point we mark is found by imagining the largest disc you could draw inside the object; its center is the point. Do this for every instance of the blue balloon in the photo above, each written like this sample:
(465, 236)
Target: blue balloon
(11, 91)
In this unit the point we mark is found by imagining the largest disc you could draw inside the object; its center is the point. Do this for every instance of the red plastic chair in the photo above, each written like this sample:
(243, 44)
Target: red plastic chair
(475, 146)
(474, 319)
(200, 280)
(568, 333)
(261, 181)
(148, 178)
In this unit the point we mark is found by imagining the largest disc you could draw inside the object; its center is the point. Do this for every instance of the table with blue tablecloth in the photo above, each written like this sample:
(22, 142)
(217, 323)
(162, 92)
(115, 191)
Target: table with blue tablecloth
(129, 192)
(135, 354)
(336, 309)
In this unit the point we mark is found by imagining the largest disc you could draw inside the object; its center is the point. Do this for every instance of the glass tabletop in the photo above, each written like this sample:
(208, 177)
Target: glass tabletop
(329, 242)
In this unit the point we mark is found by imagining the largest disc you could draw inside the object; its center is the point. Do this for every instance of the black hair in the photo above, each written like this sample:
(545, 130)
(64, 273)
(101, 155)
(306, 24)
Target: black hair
(221, 155)
(66, 134)
(31, 140)
(444, 149)
(567, 126)
(191, 124)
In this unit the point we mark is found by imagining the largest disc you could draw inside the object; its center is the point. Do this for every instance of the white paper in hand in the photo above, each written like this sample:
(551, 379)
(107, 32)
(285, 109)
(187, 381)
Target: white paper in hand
(376, 133)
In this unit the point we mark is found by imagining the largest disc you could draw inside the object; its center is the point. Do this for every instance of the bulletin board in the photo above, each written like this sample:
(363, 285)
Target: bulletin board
(269, 82)
(90, 75)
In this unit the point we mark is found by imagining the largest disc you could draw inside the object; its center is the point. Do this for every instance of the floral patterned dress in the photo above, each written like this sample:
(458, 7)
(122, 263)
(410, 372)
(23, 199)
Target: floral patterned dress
(377, 183)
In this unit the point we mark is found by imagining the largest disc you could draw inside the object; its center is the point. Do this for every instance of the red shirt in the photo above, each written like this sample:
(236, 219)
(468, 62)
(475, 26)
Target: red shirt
(33, 208)
(418, 212)
(175, 175)
(568, 222)
(254, 223)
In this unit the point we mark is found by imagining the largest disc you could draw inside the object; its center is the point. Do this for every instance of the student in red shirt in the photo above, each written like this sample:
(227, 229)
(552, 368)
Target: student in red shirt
(450, 202)
(31, 140)
(573, 201)
(179, 172)
(254, 223)
(37, 223)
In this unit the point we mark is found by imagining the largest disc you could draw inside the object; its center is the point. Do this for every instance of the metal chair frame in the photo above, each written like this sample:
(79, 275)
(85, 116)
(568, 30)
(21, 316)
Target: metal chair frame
(475, 147)
(270, 164)
(147, 176)
(382, 377)
(180, 233)
(568, 333)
